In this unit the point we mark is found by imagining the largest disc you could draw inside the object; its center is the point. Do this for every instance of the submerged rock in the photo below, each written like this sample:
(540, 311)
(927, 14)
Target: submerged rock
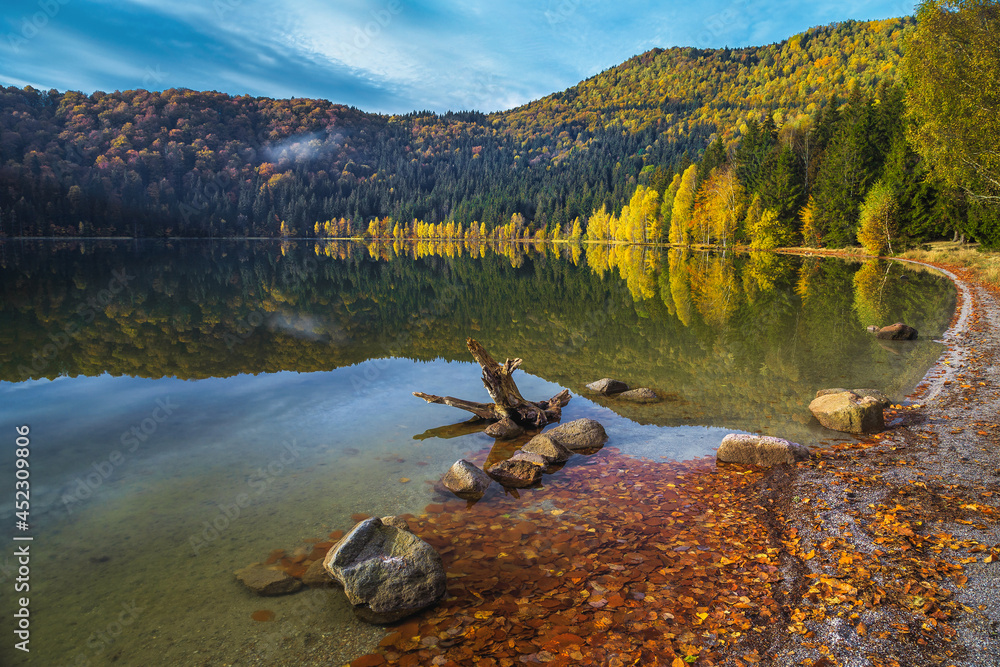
(897, 331)
(848, 412)
(505, 429)
(580, 434)
(608, 386)
(396, 522)
(547, 448)
(530, 457)
(516, 474)
(387, 573)
(640, 395)
(263, 580)
(466, 481)
(874, 393)
(316, 576)
(760, 450)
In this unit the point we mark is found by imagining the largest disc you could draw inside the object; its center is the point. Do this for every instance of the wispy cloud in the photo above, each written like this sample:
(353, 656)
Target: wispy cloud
(380, 55)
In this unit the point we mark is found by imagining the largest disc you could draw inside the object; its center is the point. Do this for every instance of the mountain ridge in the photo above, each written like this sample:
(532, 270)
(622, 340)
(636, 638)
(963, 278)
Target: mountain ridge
(202, 163)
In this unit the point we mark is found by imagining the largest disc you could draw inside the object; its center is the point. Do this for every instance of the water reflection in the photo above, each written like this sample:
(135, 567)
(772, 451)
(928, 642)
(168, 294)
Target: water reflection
(288, 369)
(741, 340)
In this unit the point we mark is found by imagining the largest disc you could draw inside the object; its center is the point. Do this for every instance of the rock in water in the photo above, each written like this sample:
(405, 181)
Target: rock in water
(882, 399)
(760, 450)
(516, 474)
(849, 413)
(505, 429)
(396, 522)
(581, 434)
(640, 395)
(548, 449)
(316, 576)
(533, 459)
(387, 573)
(262, 580)
(608, 386)
(897, 331)
(466, 481)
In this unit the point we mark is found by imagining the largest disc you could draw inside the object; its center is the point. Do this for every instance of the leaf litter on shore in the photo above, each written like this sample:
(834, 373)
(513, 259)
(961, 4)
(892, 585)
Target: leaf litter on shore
(621, 561)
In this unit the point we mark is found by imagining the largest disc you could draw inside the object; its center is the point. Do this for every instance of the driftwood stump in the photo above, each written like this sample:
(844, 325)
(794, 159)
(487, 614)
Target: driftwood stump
(507, 399)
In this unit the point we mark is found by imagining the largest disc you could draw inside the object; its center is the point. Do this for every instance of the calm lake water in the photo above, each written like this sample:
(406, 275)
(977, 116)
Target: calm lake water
(165, 382)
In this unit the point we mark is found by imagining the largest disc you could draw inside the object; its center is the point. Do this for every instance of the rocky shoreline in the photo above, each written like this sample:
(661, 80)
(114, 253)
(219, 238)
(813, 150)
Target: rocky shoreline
(907, 521)
(880, 552)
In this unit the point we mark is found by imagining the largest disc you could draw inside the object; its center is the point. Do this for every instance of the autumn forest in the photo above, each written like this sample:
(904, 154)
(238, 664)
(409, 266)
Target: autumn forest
(837, 136)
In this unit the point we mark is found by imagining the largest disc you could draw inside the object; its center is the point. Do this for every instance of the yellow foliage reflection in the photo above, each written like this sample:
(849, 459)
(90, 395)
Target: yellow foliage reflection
(869, 287)
(709, 288)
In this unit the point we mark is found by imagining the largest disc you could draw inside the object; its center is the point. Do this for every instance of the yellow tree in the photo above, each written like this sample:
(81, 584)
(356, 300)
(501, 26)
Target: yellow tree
(952, 62)
(667, 207)
(719, 207)
(878, 219)
(620, 225)
(810, 230)
(644, 210)
(680, 219)
(597, 225)
(729, 207)
(765, 230)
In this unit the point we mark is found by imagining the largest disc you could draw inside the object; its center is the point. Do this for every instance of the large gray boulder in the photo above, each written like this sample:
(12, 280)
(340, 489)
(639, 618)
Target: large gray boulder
(760, 450)
(264, 580)
(516, 474)
(607, 386)
(580, 434)
(874, 393)
(387, 573)
(897, 331)
(849, 413)
(466, 480)
(640, 395)
(547, 448)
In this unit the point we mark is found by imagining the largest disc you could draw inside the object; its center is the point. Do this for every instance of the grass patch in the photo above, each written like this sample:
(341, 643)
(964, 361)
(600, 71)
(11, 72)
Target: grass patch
(984, 266)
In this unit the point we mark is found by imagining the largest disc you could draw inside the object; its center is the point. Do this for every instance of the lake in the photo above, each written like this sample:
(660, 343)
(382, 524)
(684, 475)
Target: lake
(195, 406)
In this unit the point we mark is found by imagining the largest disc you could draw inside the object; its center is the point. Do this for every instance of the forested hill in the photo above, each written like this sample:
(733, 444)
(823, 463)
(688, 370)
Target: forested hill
(181, 162)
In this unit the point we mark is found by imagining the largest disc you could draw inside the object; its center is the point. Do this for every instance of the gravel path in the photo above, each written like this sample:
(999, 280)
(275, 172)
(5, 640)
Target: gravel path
(940, 457)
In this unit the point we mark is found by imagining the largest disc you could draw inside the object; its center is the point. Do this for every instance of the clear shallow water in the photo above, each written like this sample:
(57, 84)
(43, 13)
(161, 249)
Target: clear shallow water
(286, 393)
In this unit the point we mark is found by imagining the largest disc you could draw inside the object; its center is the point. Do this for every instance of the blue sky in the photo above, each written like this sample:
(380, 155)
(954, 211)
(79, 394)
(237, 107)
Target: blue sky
(390, 56)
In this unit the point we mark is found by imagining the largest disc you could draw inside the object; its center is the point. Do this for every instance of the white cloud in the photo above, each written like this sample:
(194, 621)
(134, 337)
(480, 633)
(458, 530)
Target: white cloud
(393, 55)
